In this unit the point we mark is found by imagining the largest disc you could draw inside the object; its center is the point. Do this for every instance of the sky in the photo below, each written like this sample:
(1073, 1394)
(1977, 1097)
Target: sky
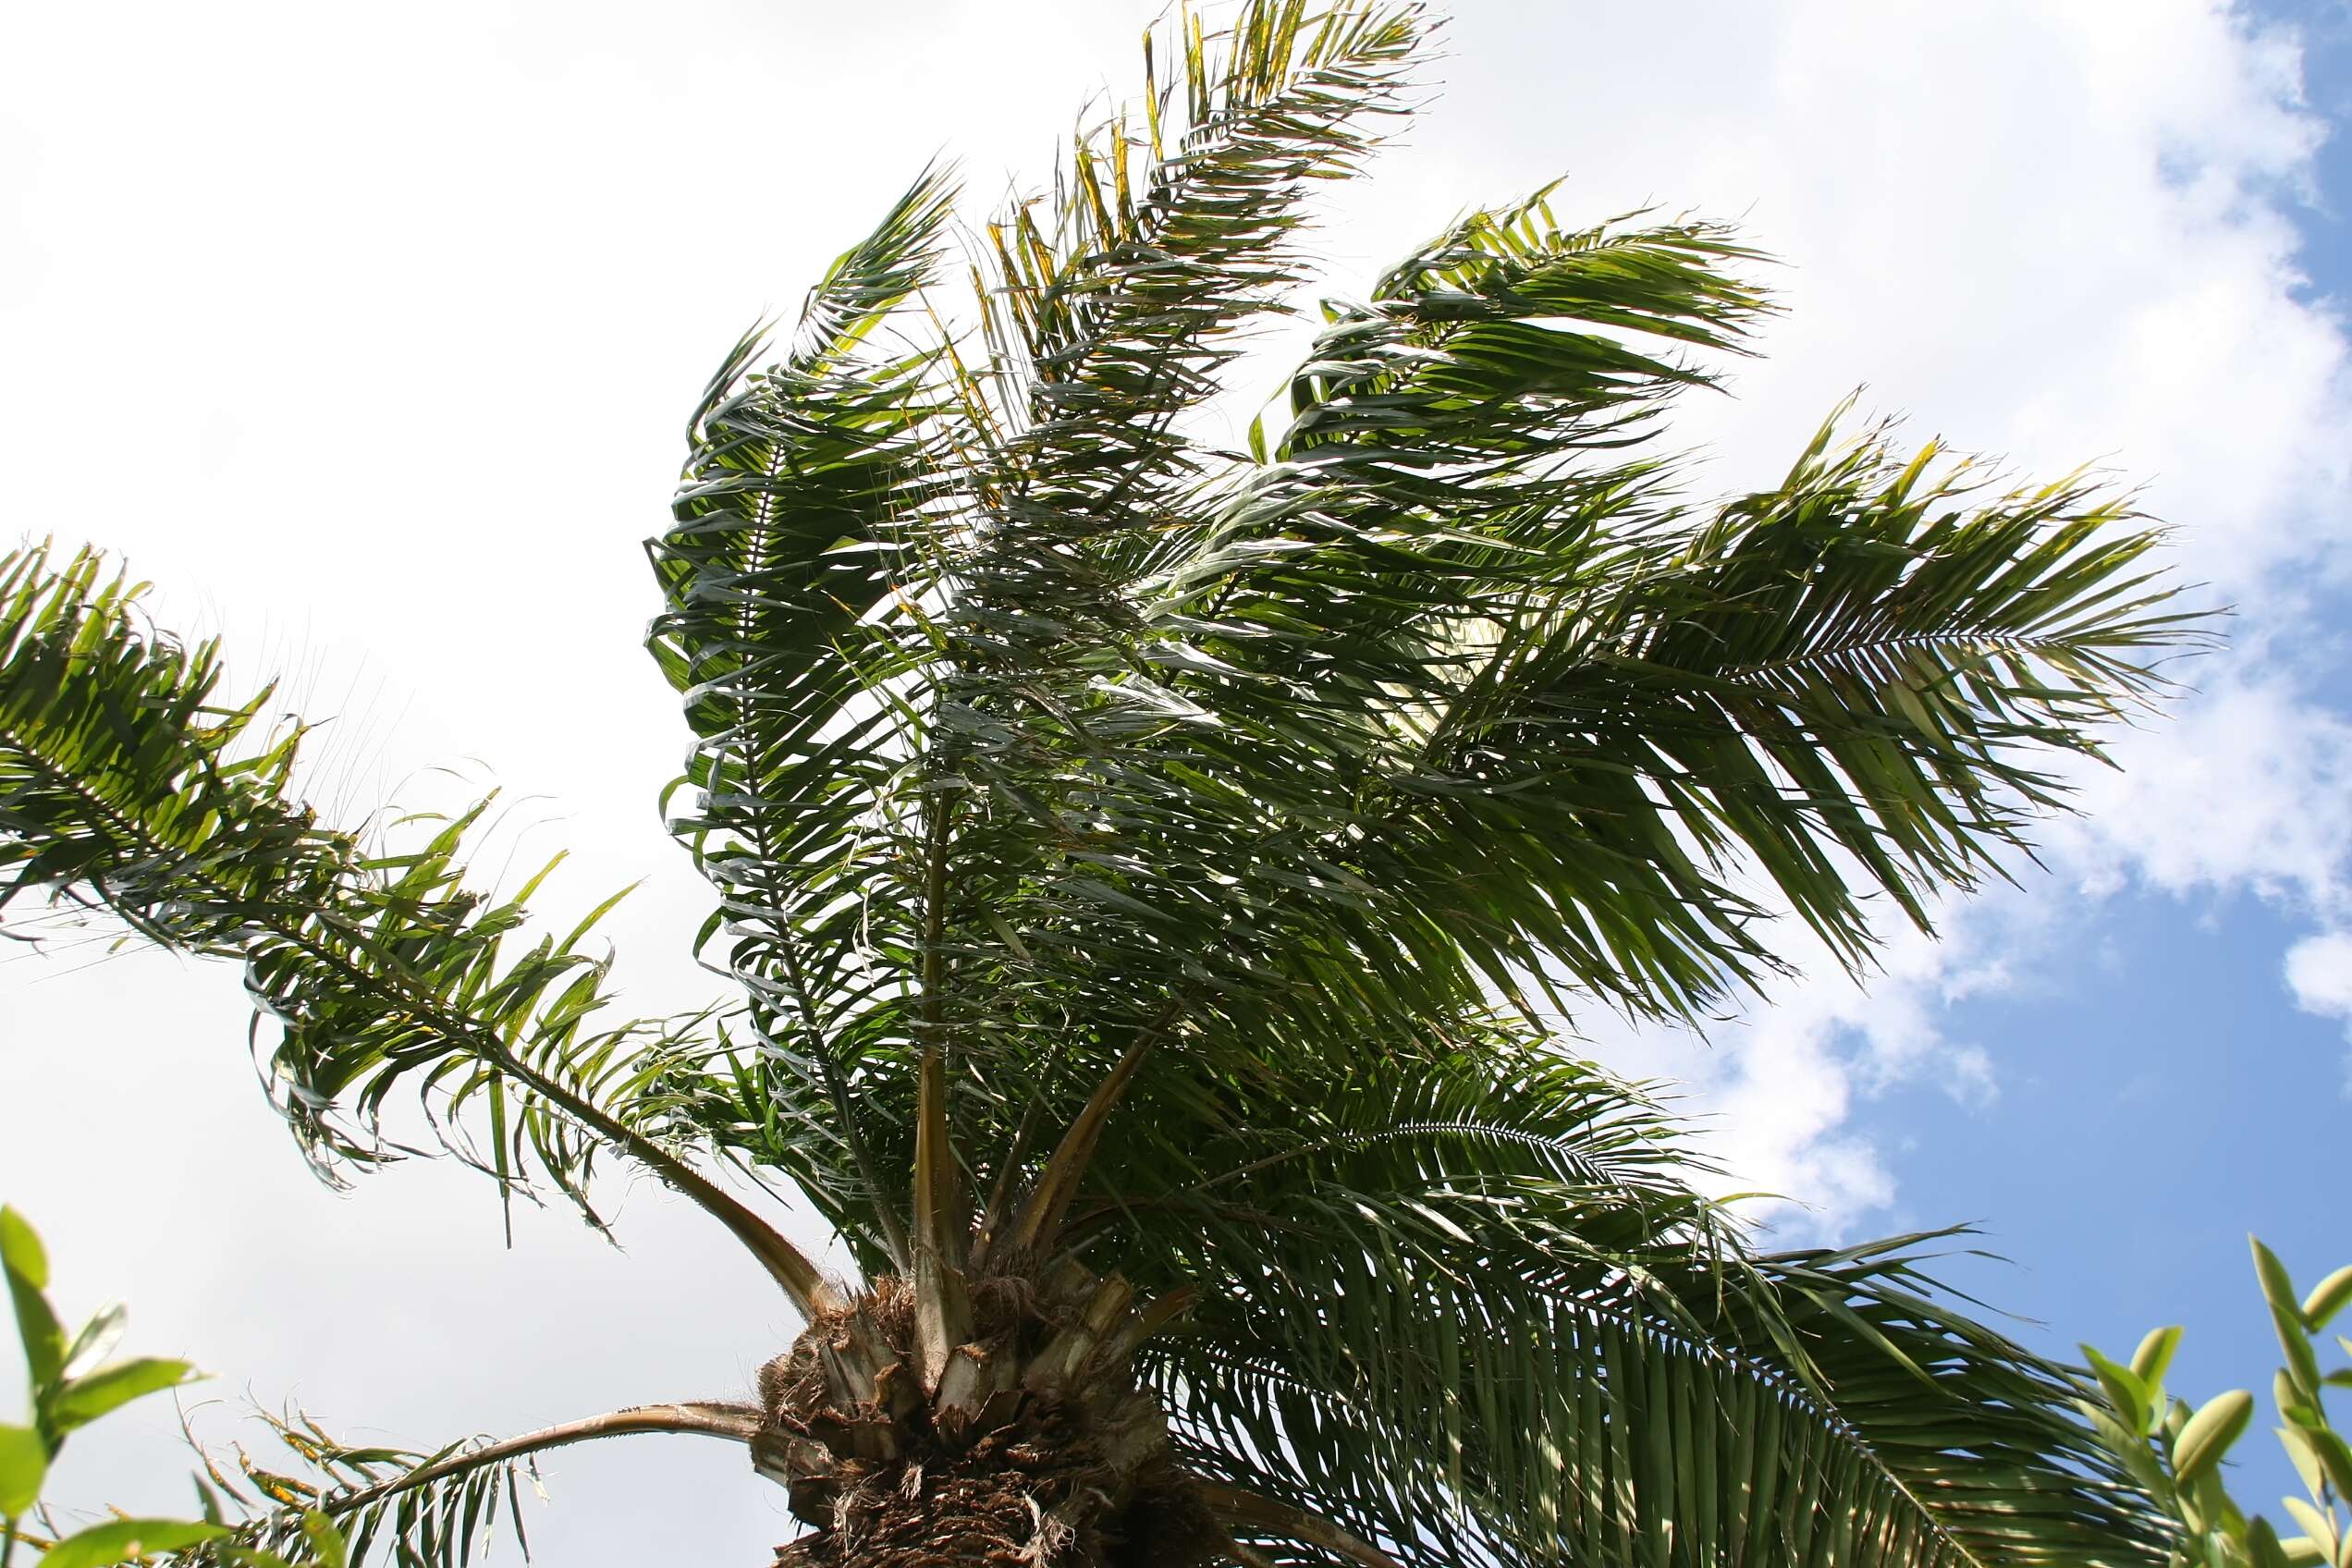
(368, 334)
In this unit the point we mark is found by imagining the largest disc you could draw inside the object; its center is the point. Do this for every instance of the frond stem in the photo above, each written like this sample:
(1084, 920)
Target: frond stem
(1236, 1505)
(1058, 1183)
(1001, 1191)
(1971, 639)
(737, 1423)
(940, 1227)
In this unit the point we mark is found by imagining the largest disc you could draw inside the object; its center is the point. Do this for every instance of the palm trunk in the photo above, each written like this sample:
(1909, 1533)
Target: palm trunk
(1029, 1443)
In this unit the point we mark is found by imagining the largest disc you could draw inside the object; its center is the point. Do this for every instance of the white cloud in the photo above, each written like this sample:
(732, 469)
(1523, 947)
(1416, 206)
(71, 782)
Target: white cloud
(2319, 973)
(2247, 786)
(368, 334)
(1782, 1093)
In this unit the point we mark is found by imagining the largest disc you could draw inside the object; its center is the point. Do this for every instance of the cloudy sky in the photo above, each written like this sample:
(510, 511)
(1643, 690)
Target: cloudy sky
(368, 334)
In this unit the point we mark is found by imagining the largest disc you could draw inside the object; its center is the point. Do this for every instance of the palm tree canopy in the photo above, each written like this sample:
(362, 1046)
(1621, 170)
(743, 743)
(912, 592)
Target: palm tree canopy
(1058, 772)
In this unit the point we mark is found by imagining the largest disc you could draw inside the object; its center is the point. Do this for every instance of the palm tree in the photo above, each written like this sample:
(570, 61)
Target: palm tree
(1157, 876)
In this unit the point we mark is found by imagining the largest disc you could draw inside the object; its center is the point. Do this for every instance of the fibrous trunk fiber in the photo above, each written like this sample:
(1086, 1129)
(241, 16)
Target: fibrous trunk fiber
(1019, 1437)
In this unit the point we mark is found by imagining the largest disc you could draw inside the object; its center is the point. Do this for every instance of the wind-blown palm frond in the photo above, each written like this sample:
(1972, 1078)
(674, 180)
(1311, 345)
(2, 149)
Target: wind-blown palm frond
(790, 536)
(1506, 345)
(1127, 779)
(125, 780)
(1164, 241)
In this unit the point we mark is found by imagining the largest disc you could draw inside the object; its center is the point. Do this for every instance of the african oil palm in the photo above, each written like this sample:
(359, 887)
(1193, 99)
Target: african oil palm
(1157, 877)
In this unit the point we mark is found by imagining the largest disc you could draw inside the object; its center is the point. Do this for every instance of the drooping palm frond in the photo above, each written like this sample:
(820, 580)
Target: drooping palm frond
(129, 782)
(418, 1510)
(1588, 1432)
(1976, 1429)
(1489, 1321)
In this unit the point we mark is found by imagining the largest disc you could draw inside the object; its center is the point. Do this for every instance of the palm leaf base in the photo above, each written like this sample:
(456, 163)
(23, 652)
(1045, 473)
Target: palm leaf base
(1019, 1436)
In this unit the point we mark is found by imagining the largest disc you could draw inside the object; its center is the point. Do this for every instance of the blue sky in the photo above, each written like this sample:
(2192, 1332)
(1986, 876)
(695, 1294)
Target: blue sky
(2156, 1104)
(2161, 1093)
(401, 311)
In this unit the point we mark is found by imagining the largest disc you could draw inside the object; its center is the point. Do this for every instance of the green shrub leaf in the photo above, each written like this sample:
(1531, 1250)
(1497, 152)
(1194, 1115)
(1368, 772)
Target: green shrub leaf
(2327, 1298)
(24, 1459)
(2155, 1354)
(28, 1268)
(2277, 1285)
(2219, 1423)
(103, 1545)
(84, 1399)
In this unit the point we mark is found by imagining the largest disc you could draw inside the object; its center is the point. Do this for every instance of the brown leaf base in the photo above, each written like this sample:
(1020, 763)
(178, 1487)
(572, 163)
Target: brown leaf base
(1028, 1443)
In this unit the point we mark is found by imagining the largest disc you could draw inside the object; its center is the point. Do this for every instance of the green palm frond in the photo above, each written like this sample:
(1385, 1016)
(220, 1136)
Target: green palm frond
(1882, 655)
(1976, 1429)
(792, 539)
(1426, 1398)
(128, 781)
(1472, 1309)
(416, 1509)
(437, 1525)
(1507, 346)
(1162, 242)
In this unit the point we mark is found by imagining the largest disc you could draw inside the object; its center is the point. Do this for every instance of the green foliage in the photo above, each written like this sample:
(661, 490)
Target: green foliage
(2176, 1453)
(1055, 770)
(69, 1381)
(72, 1384)
(127, 781)
(340, 1502)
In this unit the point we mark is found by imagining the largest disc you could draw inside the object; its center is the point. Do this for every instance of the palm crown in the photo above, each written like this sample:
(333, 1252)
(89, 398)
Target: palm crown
(1154, 875)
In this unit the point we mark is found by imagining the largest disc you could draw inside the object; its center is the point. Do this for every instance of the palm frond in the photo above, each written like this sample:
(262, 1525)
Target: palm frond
(437, 1525)
(1876, 658)
(1163, 240)
(1430, 1398)
(1463, 1299)
(418, 1510)
(129, 783)
(1614, 727)
(781, 583)
(1508, 345)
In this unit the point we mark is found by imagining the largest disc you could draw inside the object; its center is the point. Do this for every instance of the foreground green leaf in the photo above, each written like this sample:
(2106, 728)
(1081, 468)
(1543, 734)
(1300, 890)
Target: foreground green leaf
(122, 1540)
(24, 1459)
(83, 1400)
